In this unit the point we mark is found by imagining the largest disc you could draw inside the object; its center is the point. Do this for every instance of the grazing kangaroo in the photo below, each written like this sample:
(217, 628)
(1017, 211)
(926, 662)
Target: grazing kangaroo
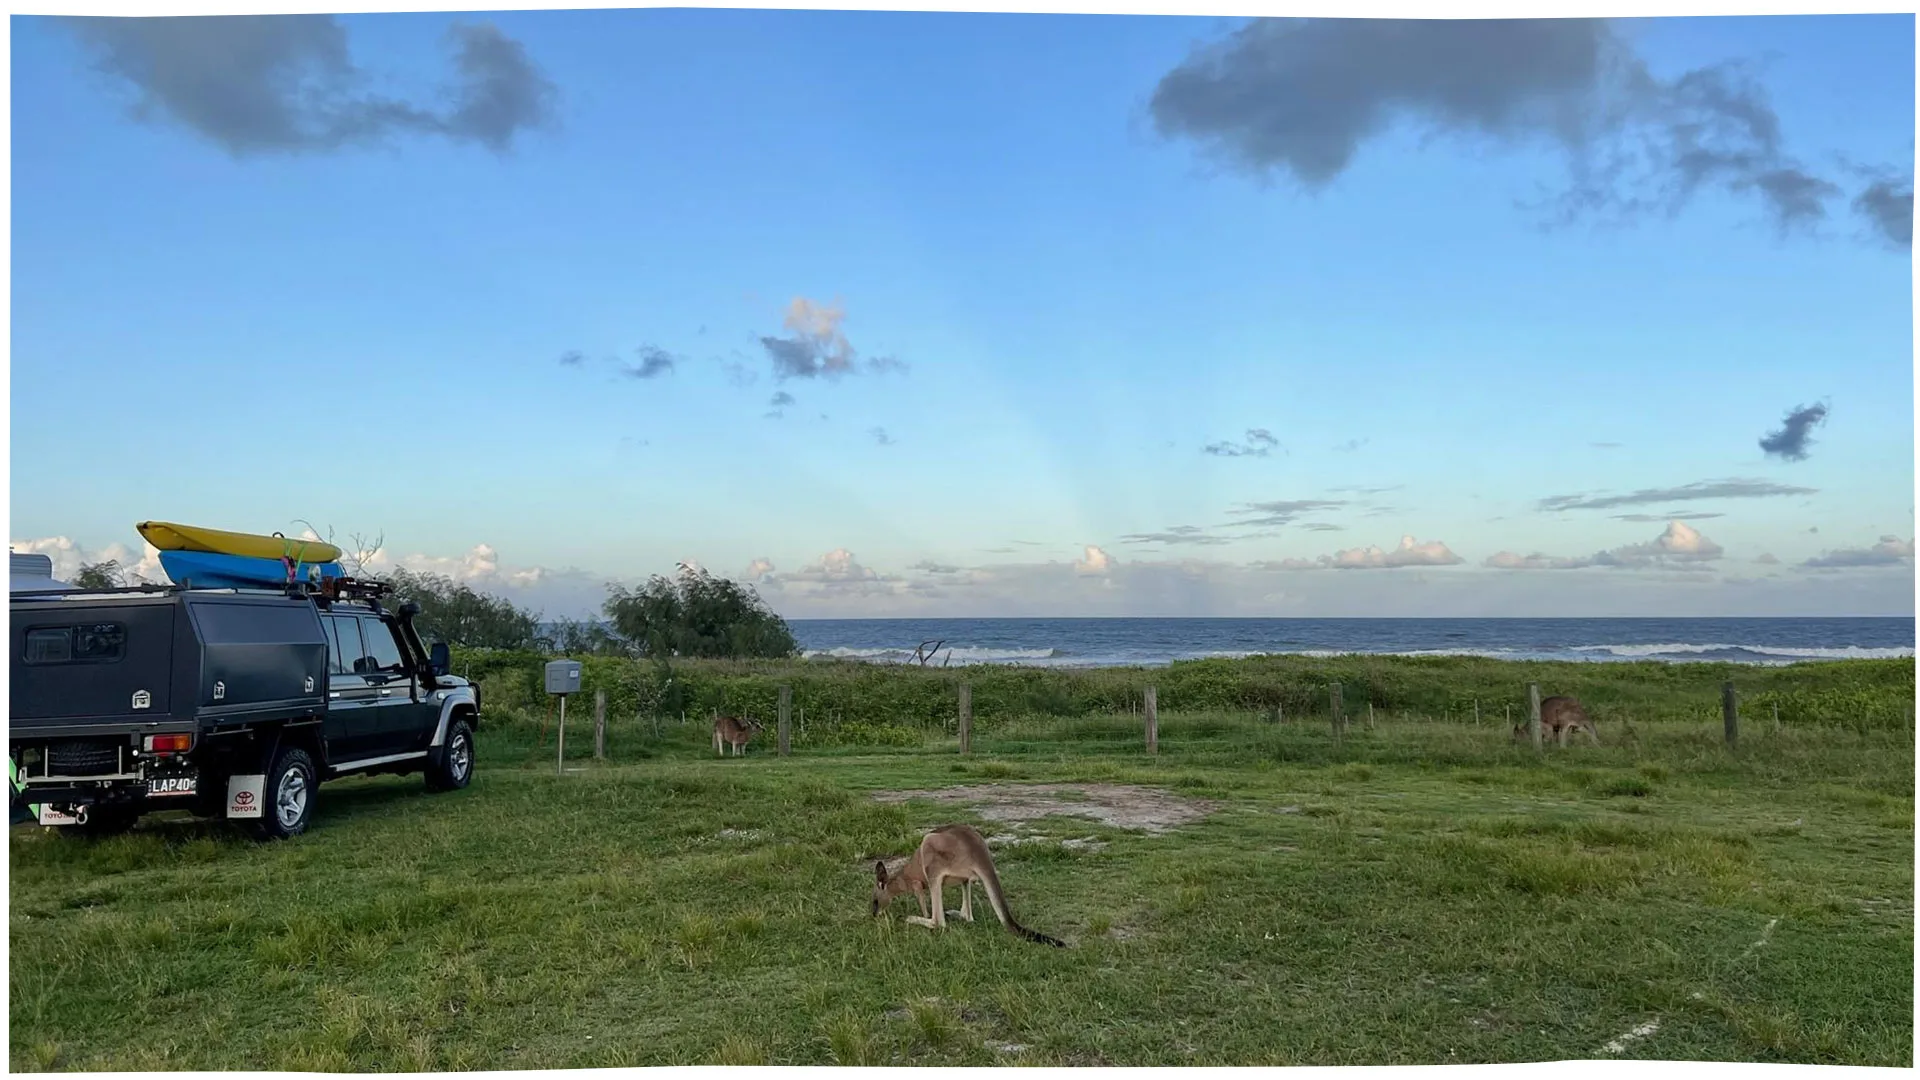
(733, 732)
(950, 853)
(1559, 715)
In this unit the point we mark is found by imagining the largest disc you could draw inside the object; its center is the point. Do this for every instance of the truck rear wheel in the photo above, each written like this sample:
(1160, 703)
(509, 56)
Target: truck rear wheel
(456, 759)
(289, 789)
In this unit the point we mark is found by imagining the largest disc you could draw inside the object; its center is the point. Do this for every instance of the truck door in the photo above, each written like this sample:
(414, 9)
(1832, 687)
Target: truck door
(406, 721)
(352, 725)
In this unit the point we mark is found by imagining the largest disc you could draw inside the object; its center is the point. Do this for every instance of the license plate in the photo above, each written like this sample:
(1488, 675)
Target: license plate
(158, 786)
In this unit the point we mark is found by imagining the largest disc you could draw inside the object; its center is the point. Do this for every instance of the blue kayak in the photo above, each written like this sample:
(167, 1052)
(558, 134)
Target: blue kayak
(209, 570)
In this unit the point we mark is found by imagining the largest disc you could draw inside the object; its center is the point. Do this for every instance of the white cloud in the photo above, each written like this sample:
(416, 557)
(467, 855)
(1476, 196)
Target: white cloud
(1095, 561)
(759, 569)
(1409, 553)
(1678, 547)
(68, 557)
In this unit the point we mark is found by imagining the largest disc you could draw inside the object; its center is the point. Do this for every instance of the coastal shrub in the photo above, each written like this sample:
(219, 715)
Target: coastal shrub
(829, 695)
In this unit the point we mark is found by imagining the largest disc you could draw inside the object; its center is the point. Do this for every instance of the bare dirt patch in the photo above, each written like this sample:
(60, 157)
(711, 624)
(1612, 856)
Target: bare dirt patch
(1123, 806)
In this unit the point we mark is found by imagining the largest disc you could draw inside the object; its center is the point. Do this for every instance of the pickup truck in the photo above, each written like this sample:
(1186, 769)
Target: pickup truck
(233, 703)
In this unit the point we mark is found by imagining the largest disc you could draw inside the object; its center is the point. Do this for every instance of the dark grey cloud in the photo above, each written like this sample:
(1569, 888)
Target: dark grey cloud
(1890, 551)
(815, 346)
(1704, 489)
(572, 358)
(1280, 512)
(1794, 436)
(1887, 204)
(880, 436)
(1321, 526)
(781, 400)
(1179, 534)
(1650, 519)
(1260, 443)
(263, 84)
(930, 567)
(1300, 97)
(652, 363)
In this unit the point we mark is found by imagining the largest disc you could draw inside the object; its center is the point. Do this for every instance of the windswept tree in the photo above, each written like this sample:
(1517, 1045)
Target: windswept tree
(458, 614)
(697, 615)
(105, 574)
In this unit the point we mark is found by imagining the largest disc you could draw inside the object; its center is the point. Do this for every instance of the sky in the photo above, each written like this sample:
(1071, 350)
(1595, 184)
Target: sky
(925, 314)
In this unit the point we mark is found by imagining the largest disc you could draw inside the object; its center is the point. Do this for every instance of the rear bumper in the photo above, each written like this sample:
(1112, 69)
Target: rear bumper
(119, 793)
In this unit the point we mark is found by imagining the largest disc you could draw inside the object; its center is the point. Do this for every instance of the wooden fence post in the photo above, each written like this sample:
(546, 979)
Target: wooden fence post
(966, 718)
(599, 723)
(1476, 712)
(1533, 713)
(1776, 718)
(1333, 701)
(786, 725)
(1730, 713)
(1279, 714)
(1369, 716)
(1153, 720)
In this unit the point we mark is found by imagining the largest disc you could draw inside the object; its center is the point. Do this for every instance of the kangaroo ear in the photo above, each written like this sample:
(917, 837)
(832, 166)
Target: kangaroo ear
(880, 871)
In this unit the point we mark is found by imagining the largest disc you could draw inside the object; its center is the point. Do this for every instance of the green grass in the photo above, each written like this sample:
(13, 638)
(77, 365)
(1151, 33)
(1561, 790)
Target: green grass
(1424, 892)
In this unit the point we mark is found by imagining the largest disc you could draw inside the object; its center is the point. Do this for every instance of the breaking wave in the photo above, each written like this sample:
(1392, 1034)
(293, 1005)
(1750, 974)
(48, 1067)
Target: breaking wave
(956, 655)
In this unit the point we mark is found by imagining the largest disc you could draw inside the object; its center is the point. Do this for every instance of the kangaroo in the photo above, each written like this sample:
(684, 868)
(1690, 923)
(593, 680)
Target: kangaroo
(732, 732)
(950, 853)
(1558, 716)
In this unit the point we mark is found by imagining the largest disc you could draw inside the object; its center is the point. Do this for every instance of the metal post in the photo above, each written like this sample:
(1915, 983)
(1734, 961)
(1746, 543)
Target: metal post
(560, 761)
(1533, 713)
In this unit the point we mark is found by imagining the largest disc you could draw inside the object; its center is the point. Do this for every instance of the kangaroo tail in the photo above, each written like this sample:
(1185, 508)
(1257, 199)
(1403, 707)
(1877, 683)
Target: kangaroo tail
(999, 901)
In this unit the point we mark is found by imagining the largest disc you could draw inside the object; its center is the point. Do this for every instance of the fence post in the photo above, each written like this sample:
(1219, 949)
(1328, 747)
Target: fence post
(1279, 714)
(1333, 701)
(786, 716)
(1476, 712)
(599, 723)
(966, 718)
(1369, 716)
(1153, 720)
(1730, 713)
(1533, 713)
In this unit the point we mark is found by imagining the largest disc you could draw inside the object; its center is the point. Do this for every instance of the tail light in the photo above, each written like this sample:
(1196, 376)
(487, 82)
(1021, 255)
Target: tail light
(169, 744)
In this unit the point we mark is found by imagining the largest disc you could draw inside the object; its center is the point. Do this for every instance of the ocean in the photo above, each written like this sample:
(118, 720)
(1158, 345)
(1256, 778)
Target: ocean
(1148, 642)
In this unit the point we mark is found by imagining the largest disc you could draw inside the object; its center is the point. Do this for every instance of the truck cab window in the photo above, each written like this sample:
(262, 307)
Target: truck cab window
(343, 637)
(382, 646)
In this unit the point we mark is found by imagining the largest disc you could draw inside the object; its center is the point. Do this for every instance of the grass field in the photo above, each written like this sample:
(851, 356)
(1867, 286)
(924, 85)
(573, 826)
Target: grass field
(1422, 892)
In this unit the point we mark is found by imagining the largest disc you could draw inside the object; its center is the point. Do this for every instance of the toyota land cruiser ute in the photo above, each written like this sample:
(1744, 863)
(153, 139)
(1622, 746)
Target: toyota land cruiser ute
(232, 703)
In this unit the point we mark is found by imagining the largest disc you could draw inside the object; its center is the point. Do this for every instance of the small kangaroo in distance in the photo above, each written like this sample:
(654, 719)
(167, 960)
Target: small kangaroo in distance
(950, 853)
(734, 732)
(1559, 715)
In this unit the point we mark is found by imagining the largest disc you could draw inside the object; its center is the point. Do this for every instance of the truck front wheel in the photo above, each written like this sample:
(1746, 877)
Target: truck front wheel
(289, 790)
(456, 759)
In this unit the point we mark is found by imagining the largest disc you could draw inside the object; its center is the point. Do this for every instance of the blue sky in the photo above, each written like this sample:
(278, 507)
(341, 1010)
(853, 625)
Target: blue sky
(1090, 255)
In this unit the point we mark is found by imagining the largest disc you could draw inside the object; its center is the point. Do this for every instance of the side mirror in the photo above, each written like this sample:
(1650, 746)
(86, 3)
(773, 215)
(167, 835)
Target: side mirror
(439, 658)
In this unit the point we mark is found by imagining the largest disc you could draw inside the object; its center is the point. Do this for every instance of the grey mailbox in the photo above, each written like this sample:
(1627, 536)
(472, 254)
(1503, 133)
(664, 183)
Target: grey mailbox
(563, 677)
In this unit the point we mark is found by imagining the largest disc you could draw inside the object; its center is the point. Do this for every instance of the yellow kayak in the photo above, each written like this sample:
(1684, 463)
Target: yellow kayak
(170, 537)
